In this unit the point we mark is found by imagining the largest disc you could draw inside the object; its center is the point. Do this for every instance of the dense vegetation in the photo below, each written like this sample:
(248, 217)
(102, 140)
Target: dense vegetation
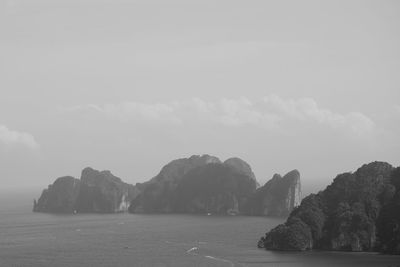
(96, 191)
(197, 185)
(213, 188)
(60, 197)
(204, 184)
(358, 212)
(388, 223)
(157, 194)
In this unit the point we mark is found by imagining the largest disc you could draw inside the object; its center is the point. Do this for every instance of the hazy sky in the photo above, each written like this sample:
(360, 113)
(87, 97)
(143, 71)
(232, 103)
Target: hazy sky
(130, 85)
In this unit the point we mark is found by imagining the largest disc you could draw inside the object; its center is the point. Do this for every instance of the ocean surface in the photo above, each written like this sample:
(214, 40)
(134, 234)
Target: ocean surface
(37, 239)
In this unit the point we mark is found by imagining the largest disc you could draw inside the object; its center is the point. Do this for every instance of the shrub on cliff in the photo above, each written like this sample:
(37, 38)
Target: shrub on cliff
(294, 235)
(301, 229)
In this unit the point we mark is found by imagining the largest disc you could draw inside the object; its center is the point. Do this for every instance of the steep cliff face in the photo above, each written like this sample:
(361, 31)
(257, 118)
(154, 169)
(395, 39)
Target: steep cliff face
(103, 192)
(388, 222)
(199, 184)
(157, 195)
(60, 197)
(242, 167)
(357, 212)
(176, 169)
(214, 188)
(278, 197)
(294, 195)
(96, 191)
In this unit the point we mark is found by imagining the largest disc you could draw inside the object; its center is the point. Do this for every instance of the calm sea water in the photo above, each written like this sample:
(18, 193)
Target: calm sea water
(34, 239)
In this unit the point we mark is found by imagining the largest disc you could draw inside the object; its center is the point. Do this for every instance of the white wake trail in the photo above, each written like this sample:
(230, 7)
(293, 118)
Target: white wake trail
(192, 249)
(219, 259)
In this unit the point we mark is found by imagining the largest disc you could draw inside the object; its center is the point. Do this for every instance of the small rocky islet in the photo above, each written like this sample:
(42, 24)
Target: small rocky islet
(95, 192)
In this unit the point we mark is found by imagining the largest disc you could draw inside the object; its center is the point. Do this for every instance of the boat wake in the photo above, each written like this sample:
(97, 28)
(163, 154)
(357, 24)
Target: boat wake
(232, 264)
(190, 251)
(195, 252)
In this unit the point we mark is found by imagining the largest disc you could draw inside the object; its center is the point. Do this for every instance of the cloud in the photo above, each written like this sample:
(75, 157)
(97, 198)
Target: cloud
(10, 137)
(306, 109)
(242, 111)
(270, 112)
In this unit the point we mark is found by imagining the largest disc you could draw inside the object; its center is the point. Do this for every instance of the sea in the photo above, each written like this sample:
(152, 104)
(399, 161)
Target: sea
(122, 240)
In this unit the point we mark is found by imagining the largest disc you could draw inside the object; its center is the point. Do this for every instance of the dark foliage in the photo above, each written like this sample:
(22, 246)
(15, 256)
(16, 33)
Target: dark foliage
(199, 184)
(358, 212)
(388, 223)
(214, 188)
(60, 197)
(293, 235)
(204, 184)
(96, 191)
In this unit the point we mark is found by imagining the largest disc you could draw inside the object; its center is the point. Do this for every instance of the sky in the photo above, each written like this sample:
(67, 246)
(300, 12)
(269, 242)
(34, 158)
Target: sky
(128, 86)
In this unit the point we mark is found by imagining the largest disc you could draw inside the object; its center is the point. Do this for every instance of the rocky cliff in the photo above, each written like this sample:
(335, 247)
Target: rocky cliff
(242, 167)
(204, 184)
(96, 191)
(214, 188)
(278, 197)
(60, 197)
(103, 192)
(199, 184)
(358, 212)
(157, 195)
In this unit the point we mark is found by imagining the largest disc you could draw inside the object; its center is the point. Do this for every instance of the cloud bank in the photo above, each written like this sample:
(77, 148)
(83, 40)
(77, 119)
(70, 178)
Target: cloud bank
(11, 137)
(270, 113)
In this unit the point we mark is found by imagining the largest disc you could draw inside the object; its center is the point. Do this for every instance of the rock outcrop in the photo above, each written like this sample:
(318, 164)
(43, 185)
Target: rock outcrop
(199, 184)
(242, 167)
(103, 192)
(359, 211)
(157, 195)
(278, 197)
(214, 188)
(60, 197)
(95, 192)
(204, 184)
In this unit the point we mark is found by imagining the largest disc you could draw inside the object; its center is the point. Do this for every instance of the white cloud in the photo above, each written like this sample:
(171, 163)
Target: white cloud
(10, 137)
(268, 113)
(242, 111)
(202, 106)
(306, 109)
